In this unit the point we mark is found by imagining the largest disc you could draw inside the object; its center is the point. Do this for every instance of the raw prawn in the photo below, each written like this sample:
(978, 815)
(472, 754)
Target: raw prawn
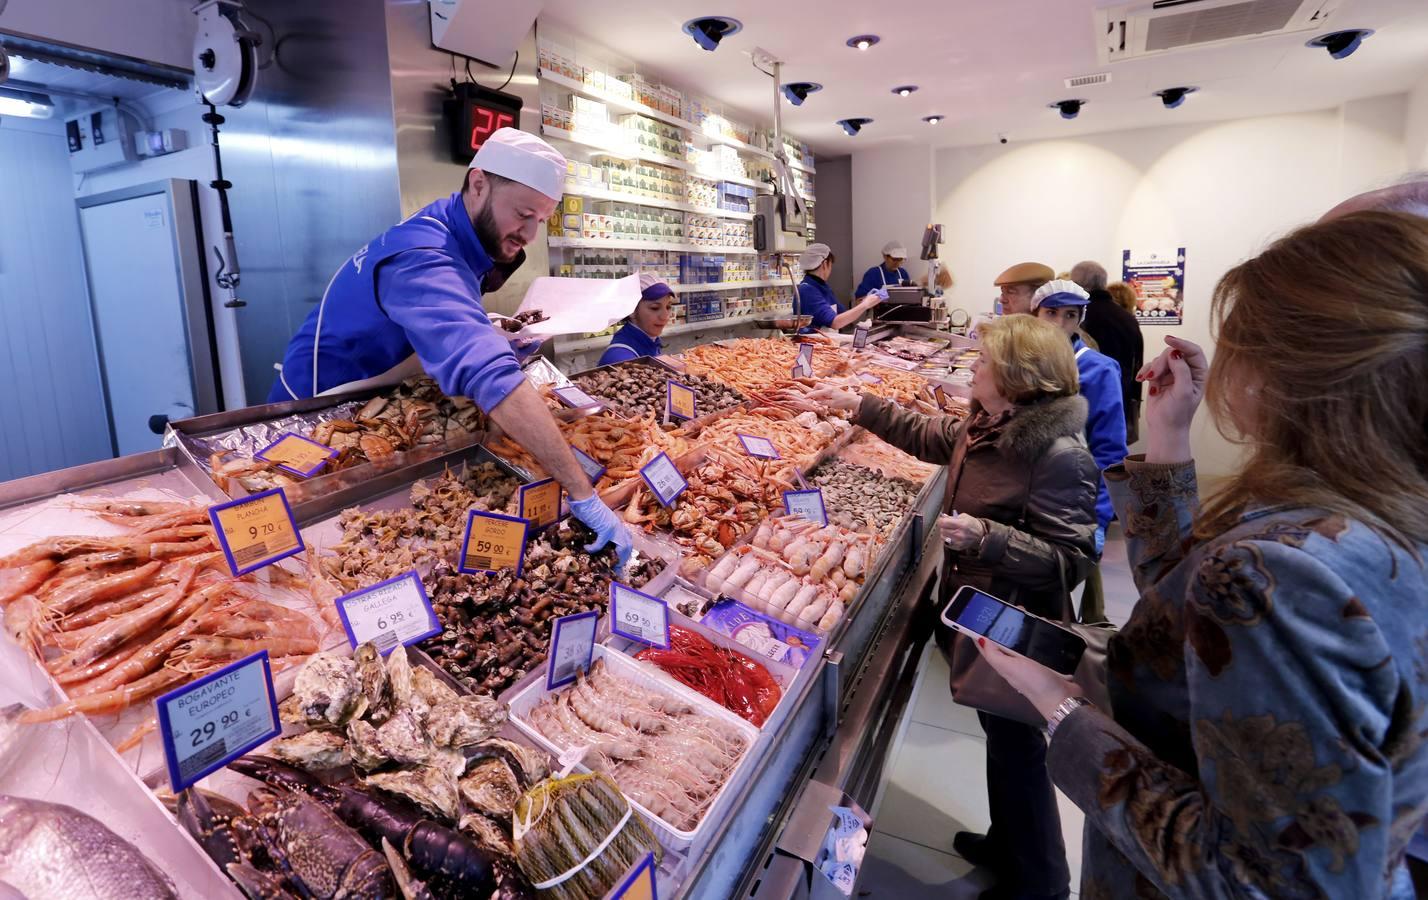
(109, 702)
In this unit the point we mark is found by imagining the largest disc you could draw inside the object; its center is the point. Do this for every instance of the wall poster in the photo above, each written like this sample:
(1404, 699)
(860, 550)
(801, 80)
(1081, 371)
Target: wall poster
(1158, 279)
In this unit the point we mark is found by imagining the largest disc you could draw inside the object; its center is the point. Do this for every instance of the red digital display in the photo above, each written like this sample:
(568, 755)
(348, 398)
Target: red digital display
(485, 121)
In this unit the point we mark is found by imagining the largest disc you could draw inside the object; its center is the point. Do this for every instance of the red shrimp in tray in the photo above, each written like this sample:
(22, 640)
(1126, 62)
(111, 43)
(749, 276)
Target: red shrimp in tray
(729, 678)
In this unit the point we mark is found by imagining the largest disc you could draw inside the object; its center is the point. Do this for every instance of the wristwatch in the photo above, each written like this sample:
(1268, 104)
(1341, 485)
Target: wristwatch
(1066, 708)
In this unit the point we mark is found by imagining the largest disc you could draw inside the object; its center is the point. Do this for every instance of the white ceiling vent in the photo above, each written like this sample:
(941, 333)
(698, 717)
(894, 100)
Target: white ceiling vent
(1081, 81)
(1148, 29)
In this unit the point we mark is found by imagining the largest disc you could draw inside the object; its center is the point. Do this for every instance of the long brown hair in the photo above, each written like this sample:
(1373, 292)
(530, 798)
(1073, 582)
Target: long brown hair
(1328, 329)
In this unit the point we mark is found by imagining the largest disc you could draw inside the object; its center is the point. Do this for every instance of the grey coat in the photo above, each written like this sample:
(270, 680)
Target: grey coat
(1033, 484)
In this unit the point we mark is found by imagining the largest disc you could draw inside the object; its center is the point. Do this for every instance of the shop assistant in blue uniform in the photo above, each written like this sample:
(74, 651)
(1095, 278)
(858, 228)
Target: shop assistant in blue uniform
(410, 300)
(639, 336)
(889, 273)
(815, 297)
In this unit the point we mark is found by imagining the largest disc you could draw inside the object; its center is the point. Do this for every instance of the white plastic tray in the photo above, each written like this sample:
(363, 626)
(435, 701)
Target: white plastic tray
(524, 698)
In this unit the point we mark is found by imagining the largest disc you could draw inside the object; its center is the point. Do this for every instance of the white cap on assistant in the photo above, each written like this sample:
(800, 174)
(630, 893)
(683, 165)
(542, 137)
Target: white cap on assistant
(813, 257)
(523, 157)
(895, 250)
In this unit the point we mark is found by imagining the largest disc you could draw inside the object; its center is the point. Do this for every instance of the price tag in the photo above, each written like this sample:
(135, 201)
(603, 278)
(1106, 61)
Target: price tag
(940, 395)
(664, 479)
(218, 718)
(493, 542)
(860, 335)
(843, 876)
(540, 502)
(638, 883)
(255, 531)
(593, 470)
(762, 448)
(803, 367)
(574, 397)
(572, 644)
(808, 504)
(639, 616)
(392, 612)
(869, 378)
(297, 454)
(680, 401)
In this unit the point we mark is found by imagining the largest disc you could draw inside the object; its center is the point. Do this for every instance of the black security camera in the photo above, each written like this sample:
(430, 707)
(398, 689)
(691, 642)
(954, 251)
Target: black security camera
(853, 126)
(1173, 97)
(1001, 138)
(710, 30)
(1341, 43)
(798, 91)
(1070, 109)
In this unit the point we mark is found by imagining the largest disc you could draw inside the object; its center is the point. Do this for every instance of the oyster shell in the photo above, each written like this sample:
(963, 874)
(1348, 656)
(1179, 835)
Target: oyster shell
(402, 739)
(487, 833)
(430, 787)
(373, 677)
(464, 721)
(497, 775)
(313, 750)
(328, 691)
(363, 746)
(431, 688)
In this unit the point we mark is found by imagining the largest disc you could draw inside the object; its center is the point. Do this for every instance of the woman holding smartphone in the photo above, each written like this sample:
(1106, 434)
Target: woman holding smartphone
(1268, 734)
(1019, 519)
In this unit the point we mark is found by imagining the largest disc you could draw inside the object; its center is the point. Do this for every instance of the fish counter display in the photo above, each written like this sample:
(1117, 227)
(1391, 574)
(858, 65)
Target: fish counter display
(454, 761)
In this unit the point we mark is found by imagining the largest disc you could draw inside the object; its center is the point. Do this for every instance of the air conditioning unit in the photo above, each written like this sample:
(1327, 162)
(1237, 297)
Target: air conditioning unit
(1138, 30)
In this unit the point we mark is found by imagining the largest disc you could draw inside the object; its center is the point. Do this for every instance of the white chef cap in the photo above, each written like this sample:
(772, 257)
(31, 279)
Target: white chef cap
(813, 257)
(895, 250)
(523, 157)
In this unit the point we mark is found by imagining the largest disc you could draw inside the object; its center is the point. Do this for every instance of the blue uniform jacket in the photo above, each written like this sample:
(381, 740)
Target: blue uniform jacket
(630, 343)
(878, 277)
(415, 288)
(1106, 421)
(815, 298)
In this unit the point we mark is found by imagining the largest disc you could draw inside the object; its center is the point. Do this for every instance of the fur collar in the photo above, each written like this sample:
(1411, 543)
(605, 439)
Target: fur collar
(1036, 427)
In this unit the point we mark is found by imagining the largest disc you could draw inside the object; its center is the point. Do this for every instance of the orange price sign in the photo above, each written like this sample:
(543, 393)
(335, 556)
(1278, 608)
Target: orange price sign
(681, 401)
(540, 502)
(638, 883)
(297, 454)
(256, 530)
(493, 542)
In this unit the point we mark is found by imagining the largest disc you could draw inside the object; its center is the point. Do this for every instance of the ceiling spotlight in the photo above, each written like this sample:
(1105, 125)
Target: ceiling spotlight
(1341, 43)
(932, 120)
(863, 41)
(708, 31)
(1173, 97)
(905, 91)
(798, 91)
(853, 126)
(1069, 108)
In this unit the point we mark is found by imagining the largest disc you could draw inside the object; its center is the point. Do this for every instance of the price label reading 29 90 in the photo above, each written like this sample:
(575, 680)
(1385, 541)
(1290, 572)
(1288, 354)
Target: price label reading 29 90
(256, 530)
(493, 542)
(218, 718)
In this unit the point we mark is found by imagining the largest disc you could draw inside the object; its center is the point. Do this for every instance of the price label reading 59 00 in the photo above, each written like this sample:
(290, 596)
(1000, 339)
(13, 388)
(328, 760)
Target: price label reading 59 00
(493, 542)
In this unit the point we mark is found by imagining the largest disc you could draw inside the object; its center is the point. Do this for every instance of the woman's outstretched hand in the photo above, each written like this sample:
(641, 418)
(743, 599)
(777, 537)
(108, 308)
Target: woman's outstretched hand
(1176, 380)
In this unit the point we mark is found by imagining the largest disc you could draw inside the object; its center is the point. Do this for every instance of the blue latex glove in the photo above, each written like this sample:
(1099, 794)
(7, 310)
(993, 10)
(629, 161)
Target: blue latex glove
(1100, 540)
(880, 293)
(607, 526)
(525, 348)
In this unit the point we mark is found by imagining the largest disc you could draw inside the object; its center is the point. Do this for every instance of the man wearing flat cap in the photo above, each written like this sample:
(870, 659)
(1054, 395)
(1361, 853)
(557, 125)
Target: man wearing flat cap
(410, 301)
(1018, 284)
(889, 273)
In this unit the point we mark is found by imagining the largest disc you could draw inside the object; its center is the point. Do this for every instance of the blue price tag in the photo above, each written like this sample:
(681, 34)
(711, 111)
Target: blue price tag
(860, 335)
(759, 447)
(207, 724)
(572, 644)
(803, 368)
(391, 612)
(638, 616)
(294, 453)
(639, 883)
(593, 470)
(575, 398)
(664, 479)
(808, 504)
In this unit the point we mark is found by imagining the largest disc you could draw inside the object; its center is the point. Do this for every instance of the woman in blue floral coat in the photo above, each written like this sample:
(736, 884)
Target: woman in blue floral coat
(1269, 694)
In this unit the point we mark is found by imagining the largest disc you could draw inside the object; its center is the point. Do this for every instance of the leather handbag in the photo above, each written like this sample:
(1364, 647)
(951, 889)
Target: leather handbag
(976, 684)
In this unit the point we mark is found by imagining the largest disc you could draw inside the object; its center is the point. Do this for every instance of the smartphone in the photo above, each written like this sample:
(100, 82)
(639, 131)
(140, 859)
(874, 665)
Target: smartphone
(979, 614)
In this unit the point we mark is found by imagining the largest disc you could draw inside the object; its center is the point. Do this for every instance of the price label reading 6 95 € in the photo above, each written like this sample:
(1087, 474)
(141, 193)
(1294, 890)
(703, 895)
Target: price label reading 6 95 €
(256, 530)
(493, 542)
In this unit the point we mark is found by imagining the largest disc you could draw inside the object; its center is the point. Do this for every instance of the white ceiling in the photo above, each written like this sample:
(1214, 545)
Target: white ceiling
(989, 66)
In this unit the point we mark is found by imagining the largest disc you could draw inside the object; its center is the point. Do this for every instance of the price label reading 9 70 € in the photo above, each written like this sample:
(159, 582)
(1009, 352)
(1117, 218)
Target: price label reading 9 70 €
(218, 718)
(540, 502)
(256, 530)
(493, 542)
(639, 616)
(391, 612)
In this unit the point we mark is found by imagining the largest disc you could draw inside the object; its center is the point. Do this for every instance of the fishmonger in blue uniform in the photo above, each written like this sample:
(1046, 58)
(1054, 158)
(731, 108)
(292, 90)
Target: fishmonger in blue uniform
(889, 273)
(639, 336)
(410, 300)
(815, 297)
